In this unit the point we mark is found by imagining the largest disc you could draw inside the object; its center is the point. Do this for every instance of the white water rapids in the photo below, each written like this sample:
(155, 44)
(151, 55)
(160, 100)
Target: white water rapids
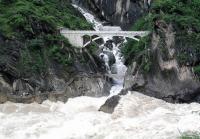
(136, 117)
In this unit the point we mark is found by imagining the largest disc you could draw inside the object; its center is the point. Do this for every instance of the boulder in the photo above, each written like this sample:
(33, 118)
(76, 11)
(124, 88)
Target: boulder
(110, 104)
(111, 57)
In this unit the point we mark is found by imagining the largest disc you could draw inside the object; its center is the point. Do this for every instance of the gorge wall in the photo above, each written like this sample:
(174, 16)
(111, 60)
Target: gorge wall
(117, 12)
(167, 78)
(37, 63)
(56, 82)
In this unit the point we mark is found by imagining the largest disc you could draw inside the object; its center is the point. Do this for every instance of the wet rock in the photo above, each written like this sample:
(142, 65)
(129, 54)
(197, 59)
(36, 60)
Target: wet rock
(196, 94)
(56, 89)
(5, 88)
(111, 57)
(113, 69)
(109, 44)
(110, 104)
(118, 40)
(88, 86)
(22, 88)
(133, 79)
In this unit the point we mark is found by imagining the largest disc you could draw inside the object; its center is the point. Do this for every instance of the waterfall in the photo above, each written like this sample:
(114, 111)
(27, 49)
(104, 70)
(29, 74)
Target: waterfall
(136, 117)
(119, 67)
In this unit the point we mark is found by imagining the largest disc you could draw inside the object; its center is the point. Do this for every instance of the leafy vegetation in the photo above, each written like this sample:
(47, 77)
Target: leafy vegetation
(35, 24)
(31, 17)
(183, 14)
(138, 51)
(197, 70)
(189, 48)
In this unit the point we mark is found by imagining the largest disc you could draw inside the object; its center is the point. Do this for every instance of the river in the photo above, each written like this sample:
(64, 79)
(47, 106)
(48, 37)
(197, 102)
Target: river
(136, 117)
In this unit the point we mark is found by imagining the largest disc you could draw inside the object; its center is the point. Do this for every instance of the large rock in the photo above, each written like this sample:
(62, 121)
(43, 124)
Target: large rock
(5, 88)
(110, 104)
(84, 85)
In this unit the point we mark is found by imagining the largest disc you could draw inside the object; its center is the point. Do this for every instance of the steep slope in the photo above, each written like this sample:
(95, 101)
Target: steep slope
(166, 64)
(36, 62)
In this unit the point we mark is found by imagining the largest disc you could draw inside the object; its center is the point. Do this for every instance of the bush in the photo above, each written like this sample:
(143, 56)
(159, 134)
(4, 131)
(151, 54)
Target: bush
(34, 24)
(197, 70)
(138, 51)
(27, 17)
(184, 15)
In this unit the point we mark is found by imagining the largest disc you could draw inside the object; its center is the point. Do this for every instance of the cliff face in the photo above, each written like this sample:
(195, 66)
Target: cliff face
(167, 79)
(166, 65)
(56, 82)
(118, 12)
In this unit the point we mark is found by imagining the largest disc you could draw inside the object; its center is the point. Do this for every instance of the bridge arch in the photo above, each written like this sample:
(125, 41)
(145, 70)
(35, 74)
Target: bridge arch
(90, 39)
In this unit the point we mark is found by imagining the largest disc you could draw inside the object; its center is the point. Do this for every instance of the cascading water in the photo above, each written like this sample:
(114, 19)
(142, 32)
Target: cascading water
(136, 117)
(119, 67)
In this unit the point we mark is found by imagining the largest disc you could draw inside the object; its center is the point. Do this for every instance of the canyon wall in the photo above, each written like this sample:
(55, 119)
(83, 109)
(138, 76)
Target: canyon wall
(118, 12)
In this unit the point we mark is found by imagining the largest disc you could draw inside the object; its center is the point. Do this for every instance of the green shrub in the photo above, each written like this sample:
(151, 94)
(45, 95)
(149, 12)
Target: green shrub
(92, 48)
(58, 54)
(197, 70)
(31, 62)
(190, 136)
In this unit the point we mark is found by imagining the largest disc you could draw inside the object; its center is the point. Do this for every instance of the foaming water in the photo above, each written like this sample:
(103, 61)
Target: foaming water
(136, 117)
(97, 25)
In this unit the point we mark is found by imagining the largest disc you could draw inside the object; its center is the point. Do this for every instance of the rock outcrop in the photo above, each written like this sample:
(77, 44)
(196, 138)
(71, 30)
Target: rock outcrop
(167, 78)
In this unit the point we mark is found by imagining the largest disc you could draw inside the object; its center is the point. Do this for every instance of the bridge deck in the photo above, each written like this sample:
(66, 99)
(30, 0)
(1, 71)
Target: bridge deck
(119, 33)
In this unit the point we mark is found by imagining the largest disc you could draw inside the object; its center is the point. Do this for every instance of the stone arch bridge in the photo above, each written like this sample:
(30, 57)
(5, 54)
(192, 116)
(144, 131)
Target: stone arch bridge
(76, 37)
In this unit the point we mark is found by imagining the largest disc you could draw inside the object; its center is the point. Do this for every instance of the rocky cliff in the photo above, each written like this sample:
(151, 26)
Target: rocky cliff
(118, 12)
(166, 79)
(37, 63)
